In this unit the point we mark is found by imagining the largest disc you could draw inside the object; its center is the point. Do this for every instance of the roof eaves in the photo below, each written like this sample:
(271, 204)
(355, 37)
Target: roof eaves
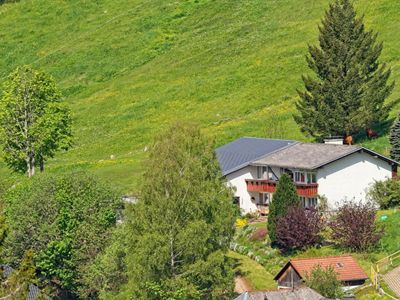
(383, 157)
(237, 168)
(358, 148)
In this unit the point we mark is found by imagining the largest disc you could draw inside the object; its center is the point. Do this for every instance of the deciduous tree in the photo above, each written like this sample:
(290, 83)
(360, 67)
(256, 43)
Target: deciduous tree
(65, 220)
(34, 122)
(178, 233)
(350, 85)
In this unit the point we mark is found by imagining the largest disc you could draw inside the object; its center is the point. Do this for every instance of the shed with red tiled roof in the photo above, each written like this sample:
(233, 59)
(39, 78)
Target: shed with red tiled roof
(347, 268)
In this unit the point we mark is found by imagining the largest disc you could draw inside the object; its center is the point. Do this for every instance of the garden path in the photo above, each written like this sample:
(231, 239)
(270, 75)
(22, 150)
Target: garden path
(392, 279)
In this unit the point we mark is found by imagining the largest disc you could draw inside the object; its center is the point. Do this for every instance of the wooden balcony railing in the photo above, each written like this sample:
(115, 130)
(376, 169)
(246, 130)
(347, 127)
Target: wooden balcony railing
(269, 186)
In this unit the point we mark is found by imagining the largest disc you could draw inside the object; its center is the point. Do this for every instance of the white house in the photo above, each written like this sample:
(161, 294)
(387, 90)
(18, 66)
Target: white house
(338, 172)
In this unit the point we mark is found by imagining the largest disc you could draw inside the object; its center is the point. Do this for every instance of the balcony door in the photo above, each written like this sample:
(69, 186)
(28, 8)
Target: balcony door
(264, 199)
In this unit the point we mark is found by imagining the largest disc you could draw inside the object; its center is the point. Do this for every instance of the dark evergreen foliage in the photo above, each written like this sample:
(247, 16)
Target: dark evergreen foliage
(284, 197)
(394, 139)
(350, 87)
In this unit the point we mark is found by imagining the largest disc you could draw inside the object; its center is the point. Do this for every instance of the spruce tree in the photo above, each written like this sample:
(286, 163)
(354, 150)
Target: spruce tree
(284, 198)
(394, 139)
(350, 86)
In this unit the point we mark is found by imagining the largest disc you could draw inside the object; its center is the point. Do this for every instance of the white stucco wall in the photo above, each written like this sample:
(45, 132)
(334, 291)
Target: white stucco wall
(238, 180)
(350, 177)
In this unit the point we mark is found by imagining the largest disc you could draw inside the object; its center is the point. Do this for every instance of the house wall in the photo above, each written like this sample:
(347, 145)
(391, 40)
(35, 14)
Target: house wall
(350, 177)
(238, 180)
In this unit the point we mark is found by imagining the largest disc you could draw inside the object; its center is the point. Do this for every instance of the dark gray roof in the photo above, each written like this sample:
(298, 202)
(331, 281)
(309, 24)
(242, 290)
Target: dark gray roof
(297, 294)
(33, 293)
(311, 155)
(241, 152)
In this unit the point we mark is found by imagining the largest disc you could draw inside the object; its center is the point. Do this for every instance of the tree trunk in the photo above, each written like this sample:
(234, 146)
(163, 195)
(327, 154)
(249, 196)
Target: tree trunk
(41, 163)
(172, 255)
(31, 165)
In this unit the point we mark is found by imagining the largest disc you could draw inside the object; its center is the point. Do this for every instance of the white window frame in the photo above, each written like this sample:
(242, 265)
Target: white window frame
(308, 176)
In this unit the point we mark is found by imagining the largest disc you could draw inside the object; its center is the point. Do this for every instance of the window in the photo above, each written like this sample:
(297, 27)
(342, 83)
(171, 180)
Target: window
(311, 177)
(264, 198)
(309, 202)
(305, 177)
(264, 172)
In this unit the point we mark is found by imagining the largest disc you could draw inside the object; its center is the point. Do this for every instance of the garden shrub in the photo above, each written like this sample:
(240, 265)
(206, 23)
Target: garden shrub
(354, 226)
(385, 193)
(299, 228)
(325, 282)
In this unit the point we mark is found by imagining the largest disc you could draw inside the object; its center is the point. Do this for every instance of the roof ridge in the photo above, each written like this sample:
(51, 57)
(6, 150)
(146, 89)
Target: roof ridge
(272, 139)
(334, 145)
(322, 257)
(276, 151)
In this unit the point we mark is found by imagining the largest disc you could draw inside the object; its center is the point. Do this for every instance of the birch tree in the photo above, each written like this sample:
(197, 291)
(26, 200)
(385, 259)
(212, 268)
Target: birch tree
(179, 231)
(34, 122)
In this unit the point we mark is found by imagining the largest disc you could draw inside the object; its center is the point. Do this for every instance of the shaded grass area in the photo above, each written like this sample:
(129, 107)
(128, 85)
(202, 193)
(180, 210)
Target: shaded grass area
(253, 272)
(128, 68)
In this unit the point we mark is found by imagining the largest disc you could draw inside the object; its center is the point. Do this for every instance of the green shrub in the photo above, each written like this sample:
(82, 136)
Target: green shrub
(65, 220)
(325, 282)
(385, 193)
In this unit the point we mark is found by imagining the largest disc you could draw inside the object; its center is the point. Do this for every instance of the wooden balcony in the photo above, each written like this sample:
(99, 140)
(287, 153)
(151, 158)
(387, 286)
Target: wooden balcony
(269, 186)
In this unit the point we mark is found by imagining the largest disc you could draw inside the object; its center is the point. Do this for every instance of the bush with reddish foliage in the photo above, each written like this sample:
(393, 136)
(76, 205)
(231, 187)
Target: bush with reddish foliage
(259, 234)
(354, 226)
(299, 228)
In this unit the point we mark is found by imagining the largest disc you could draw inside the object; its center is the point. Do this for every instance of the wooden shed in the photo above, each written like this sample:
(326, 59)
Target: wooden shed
(347, 268)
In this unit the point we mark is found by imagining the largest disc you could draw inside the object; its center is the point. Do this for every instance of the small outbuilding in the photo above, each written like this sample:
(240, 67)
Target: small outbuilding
(296, 294)
(347, 268)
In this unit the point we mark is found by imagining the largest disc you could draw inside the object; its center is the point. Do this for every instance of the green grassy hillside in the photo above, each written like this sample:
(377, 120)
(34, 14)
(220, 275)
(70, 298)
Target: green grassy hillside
(128, 68)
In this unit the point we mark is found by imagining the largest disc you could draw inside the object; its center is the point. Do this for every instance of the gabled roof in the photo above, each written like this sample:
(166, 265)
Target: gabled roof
(297, 294)
(33, 291)
(307, 155)
(346, 267)
(284, 153)
(241, 152)
(313, 155)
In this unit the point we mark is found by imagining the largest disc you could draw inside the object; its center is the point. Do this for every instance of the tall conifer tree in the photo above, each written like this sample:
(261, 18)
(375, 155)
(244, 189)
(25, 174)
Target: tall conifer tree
(284, 197)
(394, 139)
(350, 87)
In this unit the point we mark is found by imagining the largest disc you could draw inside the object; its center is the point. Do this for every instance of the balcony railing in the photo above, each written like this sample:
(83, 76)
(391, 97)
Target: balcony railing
(269, 186)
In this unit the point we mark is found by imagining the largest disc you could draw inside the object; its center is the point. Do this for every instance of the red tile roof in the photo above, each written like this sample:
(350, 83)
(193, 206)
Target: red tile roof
(345, 266)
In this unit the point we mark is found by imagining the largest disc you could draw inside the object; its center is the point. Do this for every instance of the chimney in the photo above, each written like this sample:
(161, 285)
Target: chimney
(335, 140)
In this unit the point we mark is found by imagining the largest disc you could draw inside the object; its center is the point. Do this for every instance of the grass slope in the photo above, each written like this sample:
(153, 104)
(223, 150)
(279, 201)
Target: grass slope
(128, 68)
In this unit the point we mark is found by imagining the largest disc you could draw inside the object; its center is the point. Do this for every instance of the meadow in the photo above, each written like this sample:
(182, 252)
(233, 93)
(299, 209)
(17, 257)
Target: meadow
(129, 68)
